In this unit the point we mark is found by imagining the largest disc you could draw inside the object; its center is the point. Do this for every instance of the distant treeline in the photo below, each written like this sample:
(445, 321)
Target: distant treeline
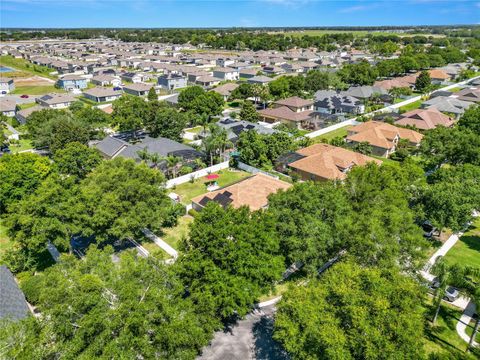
(257, 39)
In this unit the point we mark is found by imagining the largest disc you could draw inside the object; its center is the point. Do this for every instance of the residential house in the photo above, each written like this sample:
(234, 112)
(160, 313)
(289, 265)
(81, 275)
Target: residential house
(119, 146)
(407, 81)
(172, 81)
(382, 137)
(447, 105)
(225, 90)
(8, 107)
(332, 102)
(252, 192)
(101, 94)
(365, 92)
(248, 73)
(105, 80)
(132, 77)
(7, 85)
(138, 89)
(295, 103)
(22, 115)
(13, 306)
(320, 162)
(236, 127)
(55, 100)
(207, 81)
(438, 76)
(226, 73)
(273, 70)
(468, 94)
(70, 82)
(425, 119)
(259, 79)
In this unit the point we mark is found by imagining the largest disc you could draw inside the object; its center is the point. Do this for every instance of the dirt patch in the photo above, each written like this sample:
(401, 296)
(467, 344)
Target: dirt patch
(33, 81)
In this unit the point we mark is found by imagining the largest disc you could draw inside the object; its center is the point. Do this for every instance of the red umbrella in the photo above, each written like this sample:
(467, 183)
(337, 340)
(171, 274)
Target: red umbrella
(212, 176)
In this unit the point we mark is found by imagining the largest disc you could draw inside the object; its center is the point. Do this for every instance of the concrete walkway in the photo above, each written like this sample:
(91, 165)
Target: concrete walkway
(162, 244)
(464, 321)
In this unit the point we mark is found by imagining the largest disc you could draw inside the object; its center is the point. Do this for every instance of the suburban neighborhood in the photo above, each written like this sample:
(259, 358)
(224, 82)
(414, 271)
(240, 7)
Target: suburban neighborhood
(241, 192)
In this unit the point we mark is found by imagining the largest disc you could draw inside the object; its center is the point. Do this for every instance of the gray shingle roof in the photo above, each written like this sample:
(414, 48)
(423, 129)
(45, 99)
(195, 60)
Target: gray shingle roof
(12, 301)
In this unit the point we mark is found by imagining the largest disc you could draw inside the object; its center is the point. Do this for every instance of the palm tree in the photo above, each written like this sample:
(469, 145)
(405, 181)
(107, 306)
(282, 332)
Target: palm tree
(216, 142)
(203, 120)
(172, 163)
(155, 158)
(442, 272)
(143, 154)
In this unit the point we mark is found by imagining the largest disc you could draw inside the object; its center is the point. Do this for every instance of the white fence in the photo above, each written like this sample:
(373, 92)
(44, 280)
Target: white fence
(331, 128)
(197, 174)
(254, 170)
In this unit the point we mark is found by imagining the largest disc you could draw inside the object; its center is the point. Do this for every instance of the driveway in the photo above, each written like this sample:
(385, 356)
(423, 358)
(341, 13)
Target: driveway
(19, 100)
(250, 338)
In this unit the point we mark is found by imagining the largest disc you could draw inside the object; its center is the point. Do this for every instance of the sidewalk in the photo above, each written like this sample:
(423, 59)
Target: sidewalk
(162, 244)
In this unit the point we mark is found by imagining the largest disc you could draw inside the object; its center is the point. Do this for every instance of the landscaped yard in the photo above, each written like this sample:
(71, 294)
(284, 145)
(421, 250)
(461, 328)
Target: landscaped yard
(36, 90)
(341, 132)
(467, 249)
(24, 65)
(23, 144)
(172, 236)
(411, 106)
(443, 338)
(189, 190)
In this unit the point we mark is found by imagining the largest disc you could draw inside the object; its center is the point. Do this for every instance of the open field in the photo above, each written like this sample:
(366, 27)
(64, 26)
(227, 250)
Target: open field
(467, 249)
(36, 90)
(189, 190)
(25, 66)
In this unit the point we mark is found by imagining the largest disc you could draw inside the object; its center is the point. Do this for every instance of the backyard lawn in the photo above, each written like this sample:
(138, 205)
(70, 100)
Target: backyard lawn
(189, 190)
(411, 106)
(341, 132)
(23, 144)
(172, 236)
(443, 337)
(467, 249)
(36, 90)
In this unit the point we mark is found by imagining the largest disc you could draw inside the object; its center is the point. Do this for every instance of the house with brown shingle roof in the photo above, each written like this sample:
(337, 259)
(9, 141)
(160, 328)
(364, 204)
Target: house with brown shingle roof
(252, 192)
(295, 103)
(225, 90)
(425, 119)
(320, 162)
(382, 137)
(286, 116)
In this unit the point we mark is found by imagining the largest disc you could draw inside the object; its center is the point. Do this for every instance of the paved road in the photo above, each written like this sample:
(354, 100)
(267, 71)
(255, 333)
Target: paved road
(19, 100)
(250, 338)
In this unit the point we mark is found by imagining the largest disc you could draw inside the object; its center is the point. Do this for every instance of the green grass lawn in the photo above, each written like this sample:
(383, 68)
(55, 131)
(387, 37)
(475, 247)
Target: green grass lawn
(37, 90)
(467, 249)
(411, 106)
(189, 190)
(23, 144)
(173, 236)
(385, 160)
(5, 242)
(24, 65)
(341, 132)
(195, 129)
(443, 338)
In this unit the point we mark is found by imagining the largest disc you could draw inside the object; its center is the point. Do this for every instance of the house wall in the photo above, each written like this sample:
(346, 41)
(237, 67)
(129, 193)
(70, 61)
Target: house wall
(9, 113)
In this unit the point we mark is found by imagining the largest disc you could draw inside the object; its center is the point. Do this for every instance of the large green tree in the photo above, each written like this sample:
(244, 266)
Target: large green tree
(95, 308)
(471, 119)
(20, 175)
(248, 112)
(129, 113)
(229, 259)
(76, 160)
(167, 122)
(353, 312)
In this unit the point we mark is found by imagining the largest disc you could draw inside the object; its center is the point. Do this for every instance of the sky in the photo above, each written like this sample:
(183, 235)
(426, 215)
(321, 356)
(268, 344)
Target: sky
(234, 13)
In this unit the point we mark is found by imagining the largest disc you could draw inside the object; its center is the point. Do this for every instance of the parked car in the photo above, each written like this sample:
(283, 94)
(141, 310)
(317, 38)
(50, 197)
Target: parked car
(24, 96)
(117, 88)
(428, 229)
(451, 294)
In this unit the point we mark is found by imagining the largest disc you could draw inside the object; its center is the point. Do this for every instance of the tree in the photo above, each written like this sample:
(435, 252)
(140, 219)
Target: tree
(152, 95)
(423, 82)
(471, 119)
(363, 148)
(216, 142)
(92, 116)
(242, 92)
(76, 160)
(230, 258)
(20, 175)
(167, 122)
(96, 308)
(173, 163)
(361, 73)
(209, 104)
(318, 80)
(352, 312)
(248, 112)
(311, 222)
(188, 95)
(129, 113)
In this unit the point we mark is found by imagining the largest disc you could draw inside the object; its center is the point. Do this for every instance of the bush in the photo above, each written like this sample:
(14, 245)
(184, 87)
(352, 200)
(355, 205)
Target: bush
(193, 213)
